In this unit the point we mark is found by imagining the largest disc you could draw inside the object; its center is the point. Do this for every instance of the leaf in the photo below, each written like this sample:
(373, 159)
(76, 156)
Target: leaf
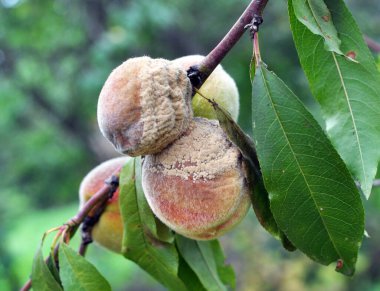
(53, 269)
(200, 256)
(188, 277)
(315, 15)
(348, 92)
(77, 273)
(158, 258)
(259, 196)
(164, 233)
(238, 137)
(313, 198)
(42, 278)
(156, 228)
(226, 272)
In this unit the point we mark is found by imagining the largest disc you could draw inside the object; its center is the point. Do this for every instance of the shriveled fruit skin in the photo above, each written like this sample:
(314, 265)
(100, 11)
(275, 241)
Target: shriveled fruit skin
(198, 185)
(144, 105)
(219, 86)
(108, 232)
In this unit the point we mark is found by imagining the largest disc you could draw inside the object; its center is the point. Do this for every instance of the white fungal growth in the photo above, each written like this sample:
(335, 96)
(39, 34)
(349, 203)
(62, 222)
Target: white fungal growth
(144, 105)
(165, 105)
(203, 152)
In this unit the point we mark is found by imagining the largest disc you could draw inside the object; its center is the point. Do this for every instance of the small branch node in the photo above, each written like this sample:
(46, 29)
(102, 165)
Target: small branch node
(254, 25)
(196, 78)
(71, 223)
(112, 181)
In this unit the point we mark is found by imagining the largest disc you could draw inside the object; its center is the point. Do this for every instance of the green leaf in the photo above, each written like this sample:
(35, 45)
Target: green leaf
(188, 277)
(259, 196)
(313, 198)
(202, 259)
(226, 272)
(164, 233)
(158, 258)
(53, 269)
(238, 137)
(348, 92)
(156, 228)
(316, 17)
(42, 278)
(77, 273)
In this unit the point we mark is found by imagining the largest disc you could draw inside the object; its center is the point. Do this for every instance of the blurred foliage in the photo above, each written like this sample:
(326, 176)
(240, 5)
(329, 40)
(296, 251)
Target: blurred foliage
(54, 58)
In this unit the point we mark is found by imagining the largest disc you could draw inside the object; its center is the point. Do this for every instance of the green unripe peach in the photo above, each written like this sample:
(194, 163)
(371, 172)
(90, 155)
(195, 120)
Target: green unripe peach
(198, 186)
(219, 86)
(108, 232)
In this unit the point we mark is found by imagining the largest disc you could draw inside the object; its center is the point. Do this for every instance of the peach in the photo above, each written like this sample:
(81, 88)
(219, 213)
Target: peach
(145, 104)
(108, 231)
(219, 86)
(198, 185)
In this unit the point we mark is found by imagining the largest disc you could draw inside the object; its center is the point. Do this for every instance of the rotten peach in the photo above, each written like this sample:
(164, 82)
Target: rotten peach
(145, 104)
(198, 186)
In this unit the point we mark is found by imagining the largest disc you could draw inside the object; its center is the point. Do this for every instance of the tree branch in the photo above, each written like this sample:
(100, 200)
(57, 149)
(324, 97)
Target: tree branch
(95, 202)
(372, 44)
(199, 73)
(376, 183)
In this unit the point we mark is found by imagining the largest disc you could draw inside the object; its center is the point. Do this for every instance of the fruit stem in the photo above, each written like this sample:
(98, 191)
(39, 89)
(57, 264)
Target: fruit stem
(256, 49)
(199, 73)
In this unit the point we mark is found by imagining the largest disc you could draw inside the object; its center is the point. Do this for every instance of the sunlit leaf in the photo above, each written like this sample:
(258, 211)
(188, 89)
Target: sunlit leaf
(79, 274)
(313, 198)
(42, 278)
(348, 92)
(315, 15)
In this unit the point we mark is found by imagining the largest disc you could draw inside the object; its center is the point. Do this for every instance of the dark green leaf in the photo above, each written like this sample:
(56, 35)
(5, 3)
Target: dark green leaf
(261, 206)
(238, 137)
(53, 269)
(42, 278)
(259, 196)
(315, 15)
(188, 277)
(312, 195)
(164, 233)
(200, 256)
(158, 258)
(79, 274)
(347, 91)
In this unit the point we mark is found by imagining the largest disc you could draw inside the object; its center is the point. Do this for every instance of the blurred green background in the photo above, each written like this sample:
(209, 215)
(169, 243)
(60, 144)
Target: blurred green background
(54, 57)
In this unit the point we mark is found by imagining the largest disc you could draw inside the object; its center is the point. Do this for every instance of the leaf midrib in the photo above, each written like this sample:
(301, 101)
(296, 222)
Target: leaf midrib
(351, 115)
(316, 20)
(295, 157)
(209, 268)
(72, 264)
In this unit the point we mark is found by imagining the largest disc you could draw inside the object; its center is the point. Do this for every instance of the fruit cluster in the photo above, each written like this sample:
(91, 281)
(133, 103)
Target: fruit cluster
(194, 178)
